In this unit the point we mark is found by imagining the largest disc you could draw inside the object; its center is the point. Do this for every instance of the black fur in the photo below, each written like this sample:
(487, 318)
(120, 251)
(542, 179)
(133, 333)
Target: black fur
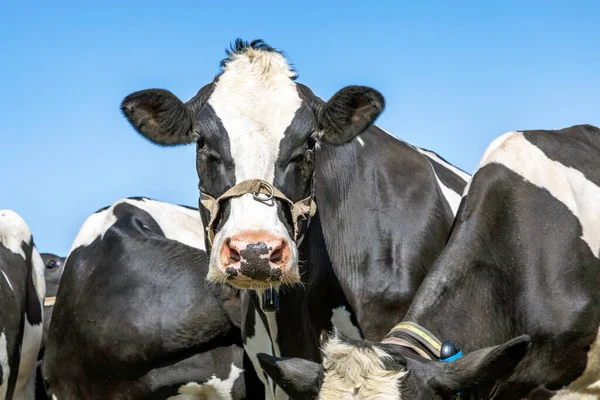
(348, 113)
(160, 117)
(135, 317)
(301, 379)
(382, 198)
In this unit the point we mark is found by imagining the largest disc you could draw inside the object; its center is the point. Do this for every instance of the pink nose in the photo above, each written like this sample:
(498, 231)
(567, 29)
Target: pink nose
(255, 256)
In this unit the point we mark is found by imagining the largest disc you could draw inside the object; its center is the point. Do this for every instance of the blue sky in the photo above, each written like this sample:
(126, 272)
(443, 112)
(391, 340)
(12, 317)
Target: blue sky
(455, 75)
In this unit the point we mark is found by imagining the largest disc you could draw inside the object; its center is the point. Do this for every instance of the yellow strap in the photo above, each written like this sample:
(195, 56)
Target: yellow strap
(49, 301)
(407, 326)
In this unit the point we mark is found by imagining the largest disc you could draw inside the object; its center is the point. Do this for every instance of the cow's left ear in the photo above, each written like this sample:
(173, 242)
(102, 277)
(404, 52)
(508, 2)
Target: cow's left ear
(160, 117)
(299, 378)
(348, 113)
(481, 367)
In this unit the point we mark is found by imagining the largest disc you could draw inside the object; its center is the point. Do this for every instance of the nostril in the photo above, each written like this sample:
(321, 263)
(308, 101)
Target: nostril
(234, 255)
(276, 255)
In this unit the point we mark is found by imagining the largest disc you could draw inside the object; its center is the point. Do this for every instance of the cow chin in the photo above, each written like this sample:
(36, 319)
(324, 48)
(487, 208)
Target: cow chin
(254, 259)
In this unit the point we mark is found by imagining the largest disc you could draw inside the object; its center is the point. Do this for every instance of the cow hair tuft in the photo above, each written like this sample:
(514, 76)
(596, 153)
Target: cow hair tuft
(240, 46)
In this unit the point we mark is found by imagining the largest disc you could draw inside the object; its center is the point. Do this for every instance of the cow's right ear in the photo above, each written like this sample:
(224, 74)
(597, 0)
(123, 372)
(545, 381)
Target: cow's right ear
(160, 117)
(299, 378)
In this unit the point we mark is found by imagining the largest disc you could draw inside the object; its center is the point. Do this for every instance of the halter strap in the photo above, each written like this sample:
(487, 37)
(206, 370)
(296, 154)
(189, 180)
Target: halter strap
(305, 208)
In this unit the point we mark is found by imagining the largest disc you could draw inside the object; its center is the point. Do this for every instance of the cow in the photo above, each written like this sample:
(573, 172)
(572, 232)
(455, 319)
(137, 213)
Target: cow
(134, 315)
(22, 291)
(305, 197)
(54, 266)
(515, 290)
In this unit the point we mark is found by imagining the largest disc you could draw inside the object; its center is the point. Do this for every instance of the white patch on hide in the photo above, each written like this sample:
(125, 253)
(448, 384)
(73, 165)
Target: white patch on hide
(213, 389)
(566, 184)
(13, 232)
(177, 223)
(340, 318)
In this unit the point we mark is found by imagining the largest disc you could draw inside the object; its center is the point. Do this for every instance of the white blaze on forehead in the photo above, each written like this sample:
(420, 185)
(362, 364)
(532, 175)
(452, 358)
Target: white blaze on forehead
(256, 100)
(566, 184)
(357, 373)
(13, 231)
(177, 223)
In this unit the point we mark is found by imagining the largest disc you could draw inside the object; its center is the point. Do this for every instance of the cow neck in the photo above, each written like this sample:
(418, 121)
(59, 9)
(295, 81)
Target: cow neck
(466, 302)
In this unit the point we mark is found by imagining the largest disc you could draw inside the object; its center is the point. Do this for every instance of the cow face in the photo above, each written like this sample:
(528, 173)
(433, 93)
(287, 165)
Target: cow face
(362, 370)
(254, 122)
(54, 268)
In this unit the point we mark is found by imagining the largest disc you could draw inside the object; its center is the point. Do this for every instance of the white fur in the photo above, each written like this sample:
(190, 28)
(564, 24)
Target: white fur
(340, 318)
(177, 223)
(7, 280)
(453, 198)
(4, 365)
(261, 343)
(357, 373)
(463, 175)
(450, 195)
(256, 101)
(94, 226)
(568, 185)
(13, 231)
(490, 149)
(589, 379)
(362, 142)
(213, 389)
(32, 335)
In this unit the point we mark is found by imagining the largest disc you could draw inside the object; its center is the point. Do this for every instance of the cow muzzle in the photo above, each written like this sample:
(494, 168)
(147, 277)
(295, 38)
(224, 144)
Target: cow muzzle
(255, 256)
(257, 259)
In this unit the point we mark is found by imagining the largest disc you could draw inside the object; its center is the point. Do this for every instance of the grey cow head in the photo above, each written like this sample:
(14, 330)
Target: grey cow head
(362, 370)
(254, 122)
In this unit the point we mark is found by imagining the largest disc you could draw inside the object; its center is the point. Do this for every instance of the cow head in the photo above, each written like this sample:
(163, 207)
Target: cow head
(54, 268)
(361, 370)
(256, 131)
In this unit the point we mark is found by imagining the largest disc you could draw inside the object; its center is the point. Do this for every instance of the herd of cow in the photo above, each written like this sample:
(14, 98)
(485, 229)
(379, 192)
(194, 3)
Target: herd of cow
(326, 259)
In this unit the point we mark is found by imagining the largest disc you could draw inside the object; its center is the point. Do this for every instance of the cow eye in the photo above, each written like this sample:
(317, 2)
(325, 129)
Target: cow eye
(201, 143)
(51, 264)
(311, 143)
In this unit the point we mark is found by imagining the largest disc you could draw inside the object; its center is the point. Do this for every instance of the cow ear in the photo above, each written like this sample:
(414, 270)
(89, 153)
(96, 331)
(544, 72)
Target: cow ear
(160, 116)
(480, 368)
(348, 113)
(299, 378)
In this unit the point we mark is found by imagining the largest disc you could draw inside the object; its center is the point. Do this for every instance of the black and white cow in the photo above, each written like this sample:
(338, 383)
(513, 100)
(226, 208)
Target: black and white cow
(22, 291)
(516, 288)
(54, 266)
(134, 315)
(266, 148)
